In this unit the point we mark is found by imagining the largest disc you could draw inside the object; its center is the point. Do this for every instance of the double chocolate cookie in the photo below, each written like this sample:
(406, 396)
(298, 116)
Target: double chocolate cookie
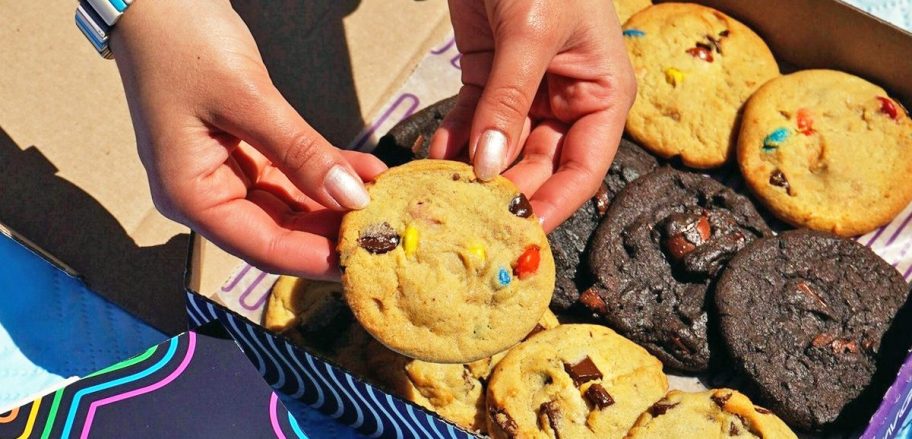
(814, 322)
(654, 258)
(410, 139)
(570, 240)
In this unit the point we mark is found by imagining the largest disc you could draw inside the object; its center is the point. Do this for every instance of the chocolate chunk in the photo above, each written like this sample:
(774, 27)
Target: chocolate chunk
(591, 300)
(504, 421)
(455, 177)
(538, 328)
(550, 412)
(733, 430)
(677, 247)
(583, 372)
(685, 232)
(724, 33)
(417, 144)
(844, 346)
(762, 410)
(602, 200)
(701, 51)
(777, 178)
(520, 206)
(598, 396)
(720, 400)
(379, 238)
(822, 340)
(715, 43)
(660, 408)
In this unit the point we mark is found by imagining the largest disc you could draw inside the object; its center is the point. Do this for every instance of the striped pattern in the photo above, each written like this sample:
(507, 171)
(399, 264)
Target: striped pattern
(322, 385)
(69, 412)
(95, 19)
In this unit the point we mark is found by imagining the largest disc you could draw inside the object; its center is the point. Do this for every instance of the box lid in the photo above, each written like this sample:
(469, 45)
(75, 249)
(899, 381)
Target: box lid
(70, 178)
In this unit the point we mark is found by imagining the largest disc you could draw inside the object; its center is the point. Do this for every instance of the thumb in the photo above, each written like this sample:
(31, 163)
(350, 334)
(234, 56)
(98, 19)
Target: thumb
(271, 125)
(521, 58)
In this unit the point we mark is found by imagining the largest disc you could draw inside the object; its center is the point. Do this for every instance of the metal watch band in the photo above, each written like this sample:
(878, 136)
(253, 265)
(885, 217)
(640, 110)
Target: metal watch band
(95, 18)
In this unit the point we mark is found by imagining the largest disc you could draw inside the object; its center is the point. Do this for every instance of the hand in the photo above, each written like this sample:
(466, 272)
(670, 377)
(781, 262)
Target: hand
(225, 153)
(548, 81)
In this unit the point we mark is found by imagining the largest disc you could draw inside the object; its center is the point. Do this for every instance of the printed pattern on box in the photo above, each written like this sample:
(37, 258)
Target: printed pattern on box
(322, 385)
(164, 389)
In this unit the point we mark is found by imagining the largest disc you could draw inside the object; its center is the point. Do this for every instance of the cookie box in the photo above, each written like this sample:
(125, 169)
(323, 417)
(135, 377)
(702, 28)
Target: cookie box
(160, 393)
(801, 33)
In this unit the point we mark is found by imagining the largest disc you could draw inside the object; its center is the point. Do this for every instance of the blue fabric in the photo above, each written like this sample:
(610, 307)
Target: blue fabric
(52, 327)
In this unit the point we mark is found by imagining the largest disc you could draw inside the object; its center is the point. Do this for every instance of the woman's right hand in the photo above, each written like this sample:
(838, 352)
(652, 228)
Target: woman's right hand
(225, 153)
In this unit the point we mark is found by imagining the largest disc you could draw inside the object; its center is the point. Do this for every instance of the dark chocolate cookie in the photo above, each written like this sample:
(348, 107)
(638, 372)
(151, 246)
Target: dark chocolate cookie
(654, 258)
(411, 138)
(807, 318)
(570, 240)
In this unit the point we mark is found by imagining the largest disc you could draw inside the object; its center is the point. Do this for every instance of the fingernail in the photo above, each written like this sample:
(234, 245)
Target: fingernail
(345, 188)
(489, 156)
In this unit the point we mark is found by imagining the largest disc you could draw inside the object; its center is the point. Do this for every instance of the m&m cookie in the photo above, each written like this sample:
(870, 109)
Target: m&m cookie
(695, 68)
(443, 267)
(827, 150)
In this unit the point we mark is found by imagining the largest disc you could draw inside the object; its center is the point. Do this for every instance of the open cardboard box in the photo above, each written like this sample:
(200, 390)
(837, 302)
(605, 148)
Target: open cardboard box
(70, 178)
(803, 34)
(340, 63)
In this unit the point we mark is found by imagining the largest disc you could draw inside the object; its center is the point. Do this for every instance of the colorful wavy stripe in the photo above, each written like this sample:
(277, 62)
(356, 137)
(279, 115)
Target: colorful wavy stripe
(191, 347)
(74, 405)
(58, 395)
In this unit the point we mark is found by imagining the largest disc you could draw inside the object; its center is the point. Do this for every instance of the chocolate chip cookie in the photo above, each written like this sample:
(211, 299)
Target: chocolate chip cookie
(570, 240)
(718, 413)
(827, 150)
(573, 381)
(807, 317)
(695, 67)
(654, 258)
(443, 267)
(456, 392)
(410, 139)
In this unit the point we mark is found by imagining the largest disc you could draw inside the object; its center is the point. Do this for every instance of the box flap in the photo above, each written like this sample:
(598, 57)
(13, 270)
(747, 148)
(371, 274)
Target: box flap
(70, 179)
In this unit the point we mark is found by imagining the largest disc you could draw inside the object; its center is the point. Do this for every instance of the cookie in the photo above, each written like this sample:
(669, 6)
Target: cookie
(297, 303)
(570, 240)
(410, 139)
(719, 413)
(695, 68)
(314, 315)
(573, 381)
(626, 8)
(807, 318)
(827, 150)
(654, 258)
(443, 267)
(456, 392)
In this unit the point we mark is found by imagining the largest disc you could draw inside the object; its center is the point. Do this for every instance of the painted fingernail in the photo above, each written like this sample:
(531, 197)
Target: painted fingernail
(489, 156)
(345, 188)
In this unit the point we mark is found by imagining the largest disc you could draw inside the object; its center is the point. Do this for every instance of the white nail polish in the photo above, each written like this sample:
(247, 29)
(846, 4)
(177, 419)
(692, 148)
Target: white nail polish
(490, 154)
(345, 188)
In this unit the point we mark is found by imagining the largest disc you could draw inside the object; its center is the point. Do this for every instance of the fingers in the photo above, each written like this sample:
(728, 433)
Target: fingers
(542, 149)
(245, 227)
(525, 44)
(587, 151)
(269, 123)
(450, 139)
